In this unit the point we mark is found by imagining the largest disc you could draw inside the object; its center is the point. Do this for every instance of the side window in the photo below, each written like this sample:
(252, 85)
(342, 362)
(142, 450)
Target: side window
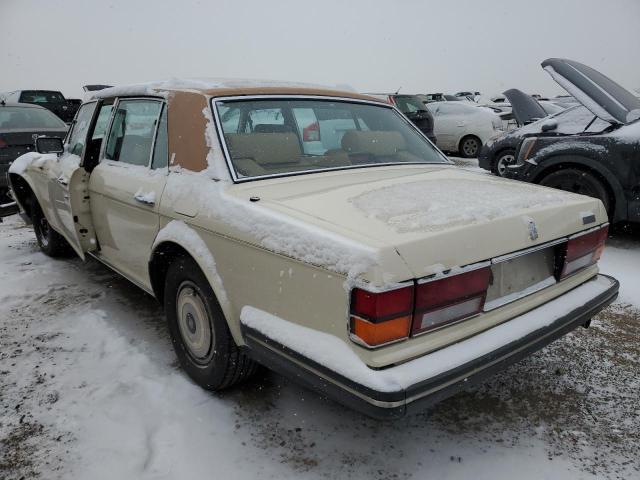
(132, 131)
(161, 148)
(78, 135)
(102, 122)
(92, 152)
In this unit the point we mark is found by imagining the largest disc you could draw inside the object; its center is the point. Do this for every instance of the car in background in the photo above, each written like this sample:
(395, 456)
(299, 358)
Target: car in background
(20, 124)
(52, 100)
(463, 127)
(529, 115)
(440, 97)
(413, 108)
(377, 272)
(602, 160)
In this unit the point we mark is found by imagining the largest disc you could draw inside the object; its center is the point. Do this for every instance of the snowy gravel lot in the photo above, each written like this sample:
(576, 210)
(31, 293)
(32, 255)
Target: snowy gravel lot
(90, 389)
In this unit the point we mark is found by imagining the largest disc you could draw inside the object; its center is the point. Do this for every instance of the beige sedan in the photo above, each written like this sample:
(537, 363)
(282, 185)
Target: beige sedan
(318, 233)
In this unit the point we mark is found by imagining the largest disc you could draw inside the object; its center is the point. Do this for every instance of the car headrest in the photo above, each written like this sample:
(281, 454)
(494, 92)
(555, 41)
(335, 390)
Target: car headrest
(265, 148)
(375, 142)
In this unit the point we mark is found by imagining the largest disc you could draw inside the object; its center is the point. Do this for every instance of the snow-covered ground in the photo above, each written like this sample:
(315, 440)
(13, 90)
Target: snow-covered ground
(90, 389)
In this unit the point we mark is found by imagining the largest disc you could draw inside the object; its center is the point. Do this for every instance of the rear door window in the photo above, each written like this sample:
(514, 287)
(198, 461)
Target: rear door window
(133, 130)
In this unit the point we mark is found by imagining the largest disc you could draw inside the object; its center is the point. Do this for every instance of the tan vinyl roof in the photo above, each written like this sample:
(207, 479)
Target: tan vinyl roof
(187, 101)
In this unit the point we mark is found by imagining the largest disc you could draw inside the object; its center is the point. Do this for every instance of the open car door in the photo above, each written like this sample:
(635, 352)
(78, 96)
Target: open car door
(68, 191)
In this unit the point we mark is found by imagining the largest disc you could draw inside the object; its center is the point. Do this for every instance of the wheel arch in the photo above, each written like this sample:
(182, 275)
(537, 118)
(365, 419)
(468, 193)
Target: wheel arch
(589, 165)
(469, 135)
(167, 248)
(24, 192)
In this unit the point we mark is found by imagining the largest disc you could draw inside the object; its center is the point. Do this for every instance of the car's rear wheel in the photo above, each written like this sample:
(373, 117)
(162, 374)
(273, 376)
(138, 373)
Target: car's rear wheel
(469, 146)
(50, 242)
(503, 160)
(579, 181)
(199, 332)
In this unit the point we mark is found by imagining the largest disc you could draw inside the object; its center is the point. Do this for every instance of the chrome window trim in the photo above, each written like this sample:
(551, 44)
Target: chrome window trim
(227, 155)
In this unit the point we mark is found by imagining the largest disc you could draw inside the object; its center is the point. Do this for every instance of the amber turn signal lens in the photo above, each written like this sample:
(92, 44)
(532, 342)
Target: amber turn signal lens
(380, 333)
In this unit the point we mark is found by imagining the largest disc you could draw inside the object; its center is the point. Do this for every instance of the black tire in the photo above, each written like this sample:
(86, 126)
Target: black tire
(50, 242)
(502, 159)
(216, 362)
(469, 146)
(579, 181)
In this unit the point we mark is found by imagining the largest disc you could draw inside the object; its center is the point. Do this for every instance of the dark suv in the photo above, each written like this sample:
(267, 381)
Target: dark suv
(52, 100)
(601, 160)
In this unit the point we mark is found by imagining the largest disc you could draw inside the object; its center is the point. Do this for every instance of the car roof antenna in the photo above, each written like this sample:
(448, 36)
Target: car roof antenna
(398, 91)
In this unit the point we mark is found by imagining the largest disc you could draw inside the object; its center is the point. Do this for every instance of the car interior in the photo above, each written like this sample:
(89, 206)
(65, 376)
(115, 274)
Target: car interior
(304, 138)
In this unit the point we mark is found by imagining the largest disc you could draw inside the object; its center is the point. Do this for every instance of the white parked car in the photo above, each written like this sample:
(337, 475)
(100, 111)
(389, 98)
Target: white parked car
(463, 128)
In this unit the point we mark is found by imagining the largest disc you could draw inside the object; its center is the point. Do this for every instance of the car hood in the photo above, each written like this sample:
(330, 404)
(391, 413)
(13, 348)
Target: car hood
(604, 97)
(433, 217)
(524, 107)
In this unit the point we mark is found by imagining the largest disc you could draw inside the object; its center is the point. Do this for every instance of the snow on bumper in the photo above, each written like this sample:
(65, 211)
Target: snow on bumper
(326, 363)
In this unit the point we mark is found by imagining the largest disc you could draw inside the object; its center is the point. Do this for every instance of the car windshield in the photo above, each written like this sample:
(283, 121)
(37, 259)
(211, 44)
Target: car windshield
(12, 118)
(283, 137)
(41, 96)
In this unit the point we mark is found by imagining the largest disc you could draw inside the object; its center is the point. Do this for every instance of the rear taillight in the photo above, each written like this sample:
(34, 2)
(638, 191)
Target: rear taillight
(378, 318)
(581, 251)
(3, 144)
(311, 133)
(444, 301)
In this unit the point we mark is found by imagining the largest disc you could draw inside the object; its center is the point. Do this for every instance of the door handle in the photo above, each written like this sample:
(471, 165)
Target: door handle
(144, 199)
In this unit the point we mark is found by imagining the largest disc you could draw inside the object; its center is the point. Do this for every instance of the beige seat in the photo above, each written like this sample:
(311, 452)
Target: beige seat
(374, 142)
(263, 153)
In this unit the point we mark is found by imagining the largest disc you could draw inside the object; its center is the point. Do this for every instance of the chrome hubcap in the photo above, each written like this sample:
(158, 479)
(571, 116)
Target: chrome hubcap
(503, 162)
(193, 322)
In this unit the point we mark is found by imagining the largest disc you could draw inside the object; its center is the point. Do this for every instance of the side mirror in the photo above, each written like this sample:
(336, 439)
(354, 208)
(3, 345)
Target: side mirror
(550, 124)
(49, 145)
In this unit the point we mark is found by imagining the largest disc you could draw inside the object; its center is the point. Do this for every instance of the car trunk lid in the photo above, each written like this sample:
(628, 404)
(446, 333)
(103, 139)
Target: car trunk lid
(604, 97)
(435, 217)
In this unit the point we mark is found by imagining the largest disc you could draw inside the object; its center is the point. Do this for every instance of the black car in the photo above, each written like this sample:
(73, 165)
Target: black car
(52, 100)
(414, 109)
(20, 124)
(603, 159)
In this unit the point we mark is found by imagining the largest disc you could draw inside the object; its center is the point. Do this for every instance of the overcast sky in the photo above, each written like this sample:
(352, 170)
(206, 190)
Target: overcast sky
(421, 46)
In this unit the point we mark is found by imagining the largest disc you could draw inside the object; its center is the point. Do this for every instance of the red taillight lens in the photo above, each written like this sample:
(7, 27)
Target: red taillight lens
(311, 133)
(3, 144)
(581, 252)
(450, 299)
(382, 317)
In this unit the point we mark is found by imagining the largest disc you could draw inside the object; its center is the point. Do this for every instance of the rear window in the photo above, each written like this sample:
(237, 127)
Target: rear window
(41, 96)
(16, 118)
(281, 137)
